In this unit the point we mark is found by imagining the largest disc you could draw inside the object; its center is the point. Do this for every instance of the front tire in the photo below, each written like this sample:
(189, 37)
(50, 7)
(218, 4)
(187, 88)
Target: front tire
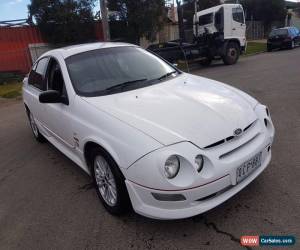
(232, 53)
(292, 46)
(109, 183)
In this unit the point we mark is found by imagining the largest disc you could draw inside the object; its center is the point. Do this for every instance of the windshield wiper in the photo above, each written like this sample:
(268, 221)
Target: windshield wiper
(122, 85)
(167, 75)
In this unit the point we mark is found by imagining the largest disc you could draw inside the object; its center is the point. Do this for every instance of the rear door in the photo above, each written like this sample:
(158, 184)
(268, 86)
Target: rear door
(297, 35)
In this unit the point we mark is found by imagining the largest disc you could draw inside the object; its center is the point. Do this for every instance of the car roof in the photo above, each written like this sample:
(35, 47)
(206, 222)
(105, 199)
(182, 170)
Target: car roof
(80, 48)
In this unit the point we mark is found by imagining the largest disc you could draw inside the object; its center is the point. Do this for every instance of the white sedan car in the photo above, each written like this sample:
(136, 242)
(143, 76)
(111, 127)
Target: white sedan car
(170, 144)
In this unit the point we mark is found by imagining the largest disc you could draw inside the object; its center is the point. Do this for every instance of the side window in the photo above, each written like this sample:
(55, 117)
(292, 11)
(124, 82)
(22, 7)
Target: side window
(55, 78)
(238, 14)
(37, 74)
(206, 19)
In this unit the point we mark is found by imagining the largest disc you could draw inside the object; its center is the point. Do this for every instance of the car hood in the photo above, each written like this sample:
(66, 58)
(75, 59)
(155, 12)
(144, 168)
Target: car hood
(185, 108)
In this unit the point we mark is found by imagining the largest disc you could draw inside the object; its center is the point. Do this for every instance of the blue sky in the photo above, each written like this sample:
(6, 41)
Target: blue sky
(17, 9)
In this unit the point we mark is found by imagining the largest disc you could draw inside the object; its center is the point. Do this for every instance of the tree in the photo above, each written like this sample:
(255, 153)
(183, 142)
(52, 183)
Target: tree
(267, 11)
(64, 21)
(143, 17)
(297, 10)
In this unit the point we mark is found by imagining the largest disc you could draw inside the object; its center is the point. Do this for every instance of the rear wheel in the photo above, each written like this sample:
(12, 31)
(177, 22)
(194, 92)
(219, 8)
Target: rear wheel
(232, 53)
(36, 133)
(109, 183)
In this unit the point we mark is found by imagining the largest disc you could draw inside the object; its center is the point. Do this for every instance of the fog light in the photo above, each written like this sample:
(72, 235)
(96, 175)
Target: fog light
(168, 197)
(199, 162)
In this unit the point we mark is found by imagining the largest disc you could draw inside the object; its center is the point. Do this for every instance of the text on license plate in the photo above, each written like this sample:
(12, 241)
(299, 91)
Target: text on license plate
(248, 167)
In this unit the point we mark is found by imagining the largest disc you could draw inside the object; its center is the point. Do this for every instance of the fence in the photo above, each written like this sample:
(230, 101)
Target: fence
(14, 53)
(256, 29)
(20, 46)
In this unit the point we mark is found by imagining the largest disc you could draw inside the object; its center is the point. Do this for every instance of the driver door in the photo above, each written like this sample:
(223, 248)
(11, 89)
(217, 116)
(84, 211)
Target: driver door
(238, 23)
(58, 114)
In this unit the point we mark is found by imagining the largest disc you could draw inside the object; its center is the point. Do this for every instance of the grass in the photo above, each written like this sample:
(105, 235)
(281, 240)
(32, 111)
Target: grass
(10, 84)
(255, 47)
(11, 90)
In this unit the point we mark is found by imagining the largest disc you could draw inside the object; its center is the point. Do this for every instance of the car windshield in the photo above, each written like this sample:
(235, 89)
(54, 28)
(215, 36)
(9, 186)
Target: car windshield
(279, 32)
(112, 70)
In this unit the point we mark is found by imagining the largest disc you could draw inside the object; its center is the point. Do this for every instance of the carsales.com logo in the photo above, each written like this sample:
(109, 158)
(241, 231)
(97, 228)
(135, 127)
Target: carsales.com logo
(256, 240)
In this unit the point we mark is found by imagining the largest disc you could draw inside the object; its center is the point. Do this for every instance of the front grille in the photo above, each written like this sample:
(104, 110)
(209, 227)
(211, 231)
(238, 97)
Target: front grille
(229, 138)
(239, 147)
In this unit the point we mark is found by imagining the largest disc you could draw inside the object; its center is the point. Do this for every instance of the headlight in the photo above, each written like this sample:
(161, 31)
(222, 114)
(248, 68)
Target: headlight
(172, 166)
(199, 162)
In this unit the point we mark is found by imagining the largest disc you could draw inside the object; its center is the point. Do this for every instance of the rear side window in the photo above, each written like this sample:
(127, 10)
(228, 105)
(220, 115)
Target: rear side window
(37, 74)
(206, 19)
(238, 15)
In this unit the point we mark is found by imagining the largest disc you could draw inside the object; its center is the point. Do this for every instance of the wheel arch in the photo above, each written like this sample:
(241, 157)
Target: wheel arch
(26, 108)
(232, 40)
(90, 145)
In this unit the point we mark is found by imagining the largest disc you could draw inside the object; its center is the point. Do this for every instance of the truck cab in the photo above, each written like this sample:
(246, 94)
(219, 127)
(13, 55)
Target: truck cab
(224, 28)
(219, 33)
(227, 20)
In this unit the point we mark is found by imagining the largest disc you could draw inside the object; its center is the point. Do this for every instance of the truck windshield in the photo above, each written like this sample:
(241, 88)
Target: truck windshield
(111, 70)
(206, 19)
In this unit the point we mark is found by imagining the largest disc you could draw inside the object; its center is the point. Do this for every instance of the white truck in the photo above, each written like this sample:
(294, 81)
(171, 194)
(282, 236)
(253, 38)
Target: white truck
(219, 33)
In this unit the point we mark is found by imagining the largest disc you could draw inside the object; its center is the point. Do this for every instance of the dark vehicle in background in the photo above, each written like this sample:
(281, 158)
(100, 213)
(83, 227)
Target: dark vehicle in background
(287, 37)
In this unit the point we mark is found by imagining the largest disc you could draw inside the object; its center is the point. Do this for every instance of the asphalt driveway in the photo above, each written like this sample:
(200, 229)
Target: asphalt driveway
(47, 202)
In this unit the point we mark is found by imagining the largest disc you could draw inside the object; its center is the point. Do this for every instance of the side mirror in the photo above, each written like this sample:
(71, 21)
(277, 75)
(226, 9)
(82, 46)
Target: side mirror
(50, 96)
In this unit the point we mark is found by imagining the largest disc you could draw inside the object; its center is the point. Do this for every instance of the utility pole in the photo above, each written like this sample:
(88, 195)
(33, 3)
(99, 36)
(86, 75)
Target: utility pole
(195, 21)
(180, 21)
(104, 17)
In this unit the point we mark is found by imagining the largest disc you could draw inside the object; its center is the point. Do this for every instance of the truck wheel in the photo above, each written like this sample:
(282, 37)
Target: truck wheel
(206, 62)
(232, 54)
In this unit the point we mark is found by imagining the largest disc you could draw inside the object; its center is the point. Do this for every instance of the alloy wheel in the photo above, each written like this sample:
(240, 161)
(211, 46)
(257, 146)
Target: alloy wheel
(105, 180)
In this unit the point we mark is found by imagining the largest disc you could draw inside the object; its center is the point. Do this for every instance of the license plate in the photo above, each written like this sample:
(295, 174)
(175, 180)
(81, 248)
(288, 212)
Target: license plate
(248, 167)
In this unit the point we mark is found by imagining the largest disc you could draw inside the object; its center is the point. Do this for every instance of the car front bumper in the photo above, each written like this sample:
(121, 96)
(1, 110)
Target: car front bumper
(197, 200)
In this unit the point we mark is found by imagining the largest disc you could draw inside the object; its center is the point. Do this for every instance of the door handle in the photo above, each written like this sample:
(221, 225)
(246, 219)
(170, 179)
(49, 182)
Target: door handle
(233, 29)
